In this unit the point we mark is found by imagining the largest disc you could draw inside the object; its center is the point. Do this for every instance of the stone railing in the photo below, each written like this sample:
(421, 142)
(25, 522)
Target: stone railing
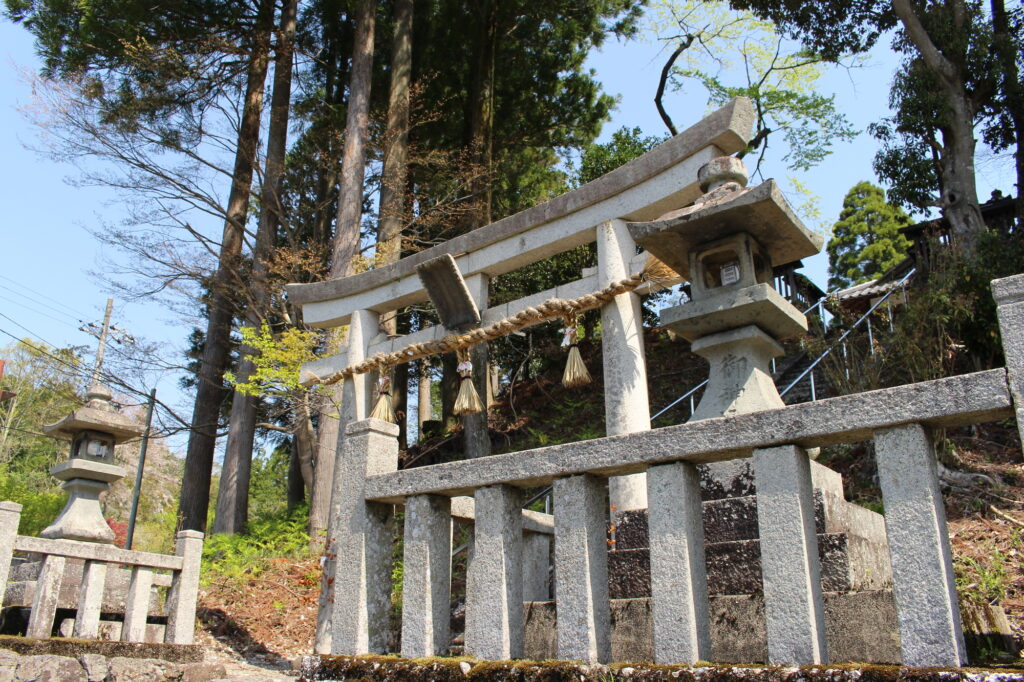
(181, 577)
(898, 420)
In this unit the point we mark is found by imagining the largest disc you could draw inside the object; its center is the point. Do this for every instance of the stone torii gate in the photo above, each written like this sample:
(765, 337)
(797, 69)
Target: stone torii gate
(641, 190)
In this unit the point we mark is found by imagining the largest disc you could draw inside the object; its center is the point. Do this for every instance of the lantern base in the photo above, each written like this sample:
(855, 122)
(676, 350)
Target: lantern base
(82, 517)
(740, 380)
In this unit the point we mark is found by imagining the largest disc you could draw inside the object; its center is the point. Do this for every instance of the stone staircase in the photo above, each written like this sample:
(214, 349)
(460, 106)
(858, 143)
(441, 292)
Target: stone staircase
(851, 539)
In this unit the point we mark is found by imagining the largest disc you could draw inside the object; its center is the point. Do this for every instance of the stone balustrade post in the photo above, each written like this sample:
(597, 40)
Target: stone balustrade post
(356, 403)
(922, 567)
(494, 589)
(1009, 295)
(679, 586)
(10, 516)
(790, 567)
(626, 406)
(359, 595)
(426, 576)
(536, 566)
(581, 569)
(181, 600)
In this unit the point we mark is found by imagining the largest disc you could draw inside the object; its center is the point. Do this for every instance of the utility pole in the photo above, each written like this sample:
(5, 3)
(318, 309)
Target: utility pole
(103, 342)
(138, 471)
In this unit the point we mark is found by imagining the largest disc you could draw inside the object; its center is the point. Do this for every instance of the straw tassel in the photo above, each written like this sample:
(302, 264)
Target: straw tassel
(575, 373)
(384, 408)
(468, 401)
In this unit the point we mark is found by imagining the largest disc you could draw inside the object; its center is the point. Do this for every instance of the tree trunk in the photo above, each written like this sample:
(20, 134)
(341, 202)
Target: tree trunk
(296, 486)
(233, 494)
(1007, 49)
(959, 199)
(346, 242)
(195, 489)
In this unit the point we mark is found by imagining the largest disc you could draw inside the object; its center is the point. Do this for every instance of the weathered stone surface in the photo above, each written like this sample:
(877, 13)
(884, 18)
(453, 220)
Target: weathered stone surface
(175, 653)
(1009, 295)
(922, 565)
(739, 380)
(426, 587)
(448, 292)
(626, 406)
(494, 590)
(759, 304)
(662, 179)
(142, 670)
(678, 579)
(202, 672)
(95, 667)
(858, 627)
(536, 564)
(761, 211)
(10, 516)
(581, 569)
(49, 669)
(115, 590)
(184, 592)
(853, 557)
(359, 595)
(790, 567)
(959, 400)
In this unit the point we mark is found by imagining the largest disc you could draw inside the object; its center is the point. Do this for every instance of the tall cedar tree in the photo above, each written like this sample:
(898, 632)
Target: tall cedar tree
(866, 241)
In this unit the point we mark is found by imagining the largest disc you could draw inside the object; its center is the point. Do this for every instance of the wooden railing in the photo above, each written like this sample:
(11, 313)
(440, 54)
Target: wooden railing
(181, 577)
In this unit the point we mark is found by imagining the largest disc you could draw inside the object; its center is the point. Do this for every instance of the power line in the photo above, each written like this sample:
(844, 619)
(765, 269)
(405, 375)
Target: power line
(38, 312)
(42, 295)
(38, 302)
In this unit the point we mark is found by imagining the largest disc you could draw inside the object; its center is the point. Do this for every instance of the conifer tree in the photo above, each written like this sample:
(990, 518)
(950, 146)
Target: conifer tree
(866, 241)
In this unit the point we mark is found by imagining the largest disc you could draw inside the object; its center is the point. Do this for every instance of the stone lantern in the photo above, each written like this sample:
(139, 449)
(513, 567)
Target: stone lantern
(93, 430)
(726, 245)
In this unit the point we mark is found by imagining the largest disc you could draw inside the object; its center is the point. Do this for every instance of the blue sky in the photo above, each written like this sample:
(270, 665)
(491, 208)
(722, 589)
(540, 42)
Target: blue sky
(48, 253)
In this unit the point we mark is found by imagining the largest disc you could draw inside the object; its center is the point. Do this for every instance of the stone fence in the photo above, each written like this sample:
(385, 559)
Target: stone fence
(181, 577)
(899, 420)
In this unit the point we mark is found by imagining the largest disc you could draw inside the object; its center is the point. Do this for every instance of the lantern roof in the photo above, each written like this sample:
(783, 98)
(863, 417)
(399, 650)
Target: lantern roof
(760, 211)
(98, 414)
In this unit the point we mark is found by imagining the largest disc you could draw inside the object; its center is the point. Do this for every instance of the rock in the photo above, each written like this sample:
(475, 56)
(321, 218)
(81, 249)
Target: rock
(465, 667)
(202, 672)
(142, 670)
(96, 667)
(49, 669)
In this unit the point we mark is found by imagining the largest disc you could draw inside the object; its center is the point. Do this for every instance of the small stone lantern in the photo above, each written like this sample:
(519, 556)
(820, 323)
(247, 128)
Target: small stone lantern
(93, 430)
(726, 245)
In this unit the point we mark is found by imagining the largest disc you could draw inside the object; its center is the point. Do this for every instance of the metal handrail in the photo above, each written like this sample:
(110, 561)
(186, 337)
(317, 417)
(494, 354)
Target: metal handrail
(842, 338)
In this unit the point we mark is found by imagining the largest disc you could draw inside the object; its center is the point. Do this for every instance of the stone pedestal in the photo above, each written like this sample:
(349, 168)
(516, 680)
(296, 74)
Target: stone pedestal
(82, 517)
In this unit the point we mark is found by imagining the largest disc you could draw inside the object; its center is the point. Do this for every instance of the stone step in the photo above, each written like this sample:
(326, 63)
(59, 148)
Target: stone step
(859, 626)
(849, 563)
(735, 518)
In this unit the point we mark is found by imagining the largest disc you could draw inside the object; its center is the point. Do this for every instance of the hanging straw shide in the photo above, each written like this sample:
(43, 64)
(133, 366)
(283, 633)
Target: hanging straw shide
(384, 408)
(468, 401)
(575, 373)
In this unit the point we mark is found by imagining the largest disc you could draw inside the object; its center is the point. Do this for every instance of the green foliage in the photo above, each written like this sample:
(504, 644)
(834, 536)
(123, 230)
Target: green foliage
(268, 486)
(732, 53)
(45, 383)
(598, 159)
(982, 582)
(242, 556)
(866, 241)
(39, 507)
(278, 359)
(948, 325)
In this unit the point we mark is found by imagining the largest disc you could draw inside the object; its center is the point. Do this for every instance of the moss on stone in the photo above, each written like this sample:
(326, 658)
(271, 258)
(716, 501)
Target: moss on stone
(60, 646)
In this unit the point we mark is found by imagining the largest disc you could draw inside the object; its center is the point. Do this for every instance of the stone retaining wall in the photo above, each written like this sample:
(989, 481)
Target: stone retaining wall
(396, 669)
